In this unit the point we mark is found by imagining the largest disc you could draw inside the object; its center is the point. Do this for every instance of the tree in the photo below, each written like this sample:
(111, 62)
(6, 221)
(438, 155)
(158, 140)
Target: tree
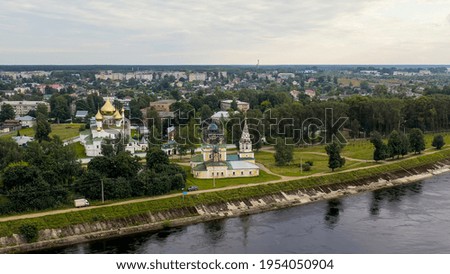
(205, 112)
(7, 113)
(335, 160)
(60, 107)
(43, 110)
(155, 156)
(404, 145)
(416, 140)
(283, 152)
(42, 129)
(395, 144)
(354, 128)
(234, 105)
(438, 142)
(381, 149)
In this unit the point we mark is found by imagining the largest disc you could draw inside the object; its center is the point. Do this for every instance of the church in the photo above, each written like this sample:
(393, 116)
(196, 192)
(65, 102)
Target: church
(109, 126)
(214, 162)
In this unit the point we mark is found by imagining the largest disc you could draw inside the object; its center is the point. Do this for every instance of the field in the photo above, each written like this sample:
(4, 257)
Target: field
(64, 131)
(320, 163)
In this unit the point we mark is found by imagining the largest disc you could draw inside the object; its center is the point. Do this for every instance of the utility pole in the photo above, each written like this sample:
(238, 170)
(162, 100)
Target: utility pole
(301, 164)
(103, 192)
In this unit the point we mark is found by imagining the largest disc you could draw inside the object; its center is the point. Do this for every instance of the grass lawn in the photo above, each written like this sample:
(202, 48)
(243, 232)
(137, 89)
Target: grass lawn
(320, 163)
(224, 182)
(64, 131)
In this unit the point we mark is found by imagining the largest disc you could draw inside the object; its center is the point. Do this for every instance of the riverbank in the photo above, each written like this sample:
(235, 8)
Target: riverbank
(154, 215)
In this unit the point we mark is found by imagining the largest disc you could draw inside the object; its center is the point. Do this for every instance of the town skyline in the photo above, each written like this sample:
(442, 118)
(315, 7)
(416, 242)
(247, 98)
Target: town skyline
(204, 32)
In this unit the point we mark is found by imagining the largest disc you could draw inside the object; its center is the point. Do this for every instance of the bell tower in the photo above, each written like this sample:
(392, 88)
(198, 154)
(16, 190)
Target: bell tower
(245, 144)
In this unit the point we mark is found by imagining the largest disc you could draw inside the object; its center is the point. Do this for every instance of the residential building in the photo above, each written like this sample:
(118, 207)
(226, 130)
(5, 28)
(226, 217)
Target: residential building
(23, 107)
(162, 105)
(26, 121)
(226, 105)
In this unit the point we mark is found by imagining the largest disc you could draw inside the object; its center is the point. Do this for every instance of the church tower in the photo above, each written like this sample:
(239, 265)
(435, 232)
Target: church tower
(245, 145)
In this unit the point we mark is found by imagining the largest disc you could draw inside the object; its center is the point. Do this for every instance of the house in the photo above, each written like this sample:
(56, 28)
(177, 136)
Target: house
(26, 121)
(311, 93)
(226, 105)
(81, 114)
(11, 125)
(22, 140)
(220, 115)
(162, 105)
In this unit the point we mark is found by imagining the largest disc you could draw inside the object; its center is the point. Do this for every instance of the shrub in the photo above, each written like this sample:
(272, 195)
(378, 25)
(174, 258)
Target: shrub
(306, 167)
(29, 232)
(311, 163)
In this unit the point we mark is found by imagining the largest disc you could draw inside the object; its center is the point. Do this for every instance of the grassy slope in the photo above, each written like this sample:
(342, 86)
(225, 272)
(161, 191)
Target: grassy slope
(320, 163)
(64, 131)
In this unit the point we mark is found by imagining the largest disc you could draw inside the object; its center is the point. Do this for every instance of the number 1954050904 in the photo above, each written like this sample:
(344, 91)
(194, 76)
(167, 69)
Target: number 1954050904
(296, 264)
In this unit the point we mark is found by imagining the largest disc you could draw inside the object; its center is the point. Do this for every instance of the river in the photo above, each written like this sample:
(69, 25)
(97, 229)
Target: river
(413, 218)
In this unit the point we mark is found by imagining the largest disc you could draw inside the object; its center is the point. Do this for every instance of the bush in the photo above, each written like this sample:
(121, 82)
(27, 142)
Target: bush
(29, 232)
(306, 167)
(311, 163)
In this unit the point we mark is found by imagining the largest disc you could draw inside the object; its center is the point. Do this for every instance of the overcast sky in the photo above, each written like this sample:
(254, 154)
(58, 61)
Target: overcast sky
(225, 32)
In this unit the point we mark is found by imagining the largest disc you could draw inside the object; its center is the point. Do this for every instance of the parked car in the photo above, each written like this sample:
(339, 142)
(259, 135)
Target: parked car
(192, 188)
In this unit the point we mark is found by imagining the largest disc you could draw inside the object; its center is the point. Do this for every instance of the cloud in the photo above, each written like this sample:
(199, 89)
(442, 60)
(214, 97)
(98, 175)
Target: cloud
(224, 32)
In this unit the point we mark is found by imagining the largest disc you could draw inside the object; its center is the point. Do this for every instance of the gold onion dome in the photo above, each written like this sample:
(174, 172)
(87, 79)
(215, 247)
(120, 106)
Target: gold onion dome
(117, 115)
(108, 108)
(98, 116)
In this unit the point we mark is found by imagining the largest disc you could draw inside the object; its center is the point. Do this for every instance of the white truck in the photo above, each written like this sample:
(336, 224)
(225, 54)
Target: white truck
(81, 202)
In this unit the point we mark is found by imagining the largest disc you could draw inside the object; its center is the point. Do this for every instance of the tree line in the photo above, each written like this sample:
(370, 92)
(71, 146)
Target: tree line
(47, 175)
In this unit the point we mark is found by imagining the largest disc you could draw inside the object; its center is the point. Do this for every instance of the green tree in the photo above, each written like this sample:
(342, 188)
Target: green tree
(60, 107)
(416, 140)
(395, 144)
(354, 128)
(438, 142)
(42, 129)
(7, 113)
(9, 152)
(234, 105)
(381, 149)
(283, 152)
(205, 112)
(42, 109)
(155, 157)
(404, 145)
(335, 160)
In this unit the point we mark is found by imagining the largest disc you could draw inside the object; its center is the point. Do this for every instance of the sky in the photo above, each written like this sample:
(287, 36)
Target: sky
(167, 32)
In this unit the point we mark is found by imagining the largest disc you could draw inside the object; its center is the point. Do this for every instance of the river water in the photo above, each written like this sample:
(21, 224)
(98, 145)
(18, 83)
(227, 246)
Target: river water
(407, 219)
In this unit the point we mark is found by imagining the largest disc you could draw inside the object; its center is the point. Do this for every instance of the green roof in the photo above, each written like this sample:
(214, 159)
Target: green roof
(200, 167)
(197, 158)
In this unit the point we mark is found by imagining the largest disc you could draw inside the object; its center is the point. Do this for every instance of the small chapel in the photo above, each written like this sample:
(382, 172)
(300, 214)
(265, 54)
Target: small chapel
(214, 162)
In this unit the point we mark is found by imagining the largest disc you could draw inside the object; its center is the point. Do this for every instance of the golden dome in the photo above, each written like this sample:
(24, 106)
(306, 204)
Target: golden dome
(117, 115)
(108, 108)
(98, 116)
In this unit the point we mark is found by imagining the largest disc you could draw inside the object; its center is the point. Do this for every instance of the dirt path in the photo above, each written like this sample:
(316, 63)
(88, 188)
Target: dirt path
(282, 179)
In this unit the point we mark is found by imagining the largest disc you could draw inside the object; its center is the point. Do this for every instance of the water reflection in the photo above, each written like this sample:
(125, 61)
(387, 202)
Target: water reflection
(214, 230)
(245, 220)
(334, 206)
(392, 196)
